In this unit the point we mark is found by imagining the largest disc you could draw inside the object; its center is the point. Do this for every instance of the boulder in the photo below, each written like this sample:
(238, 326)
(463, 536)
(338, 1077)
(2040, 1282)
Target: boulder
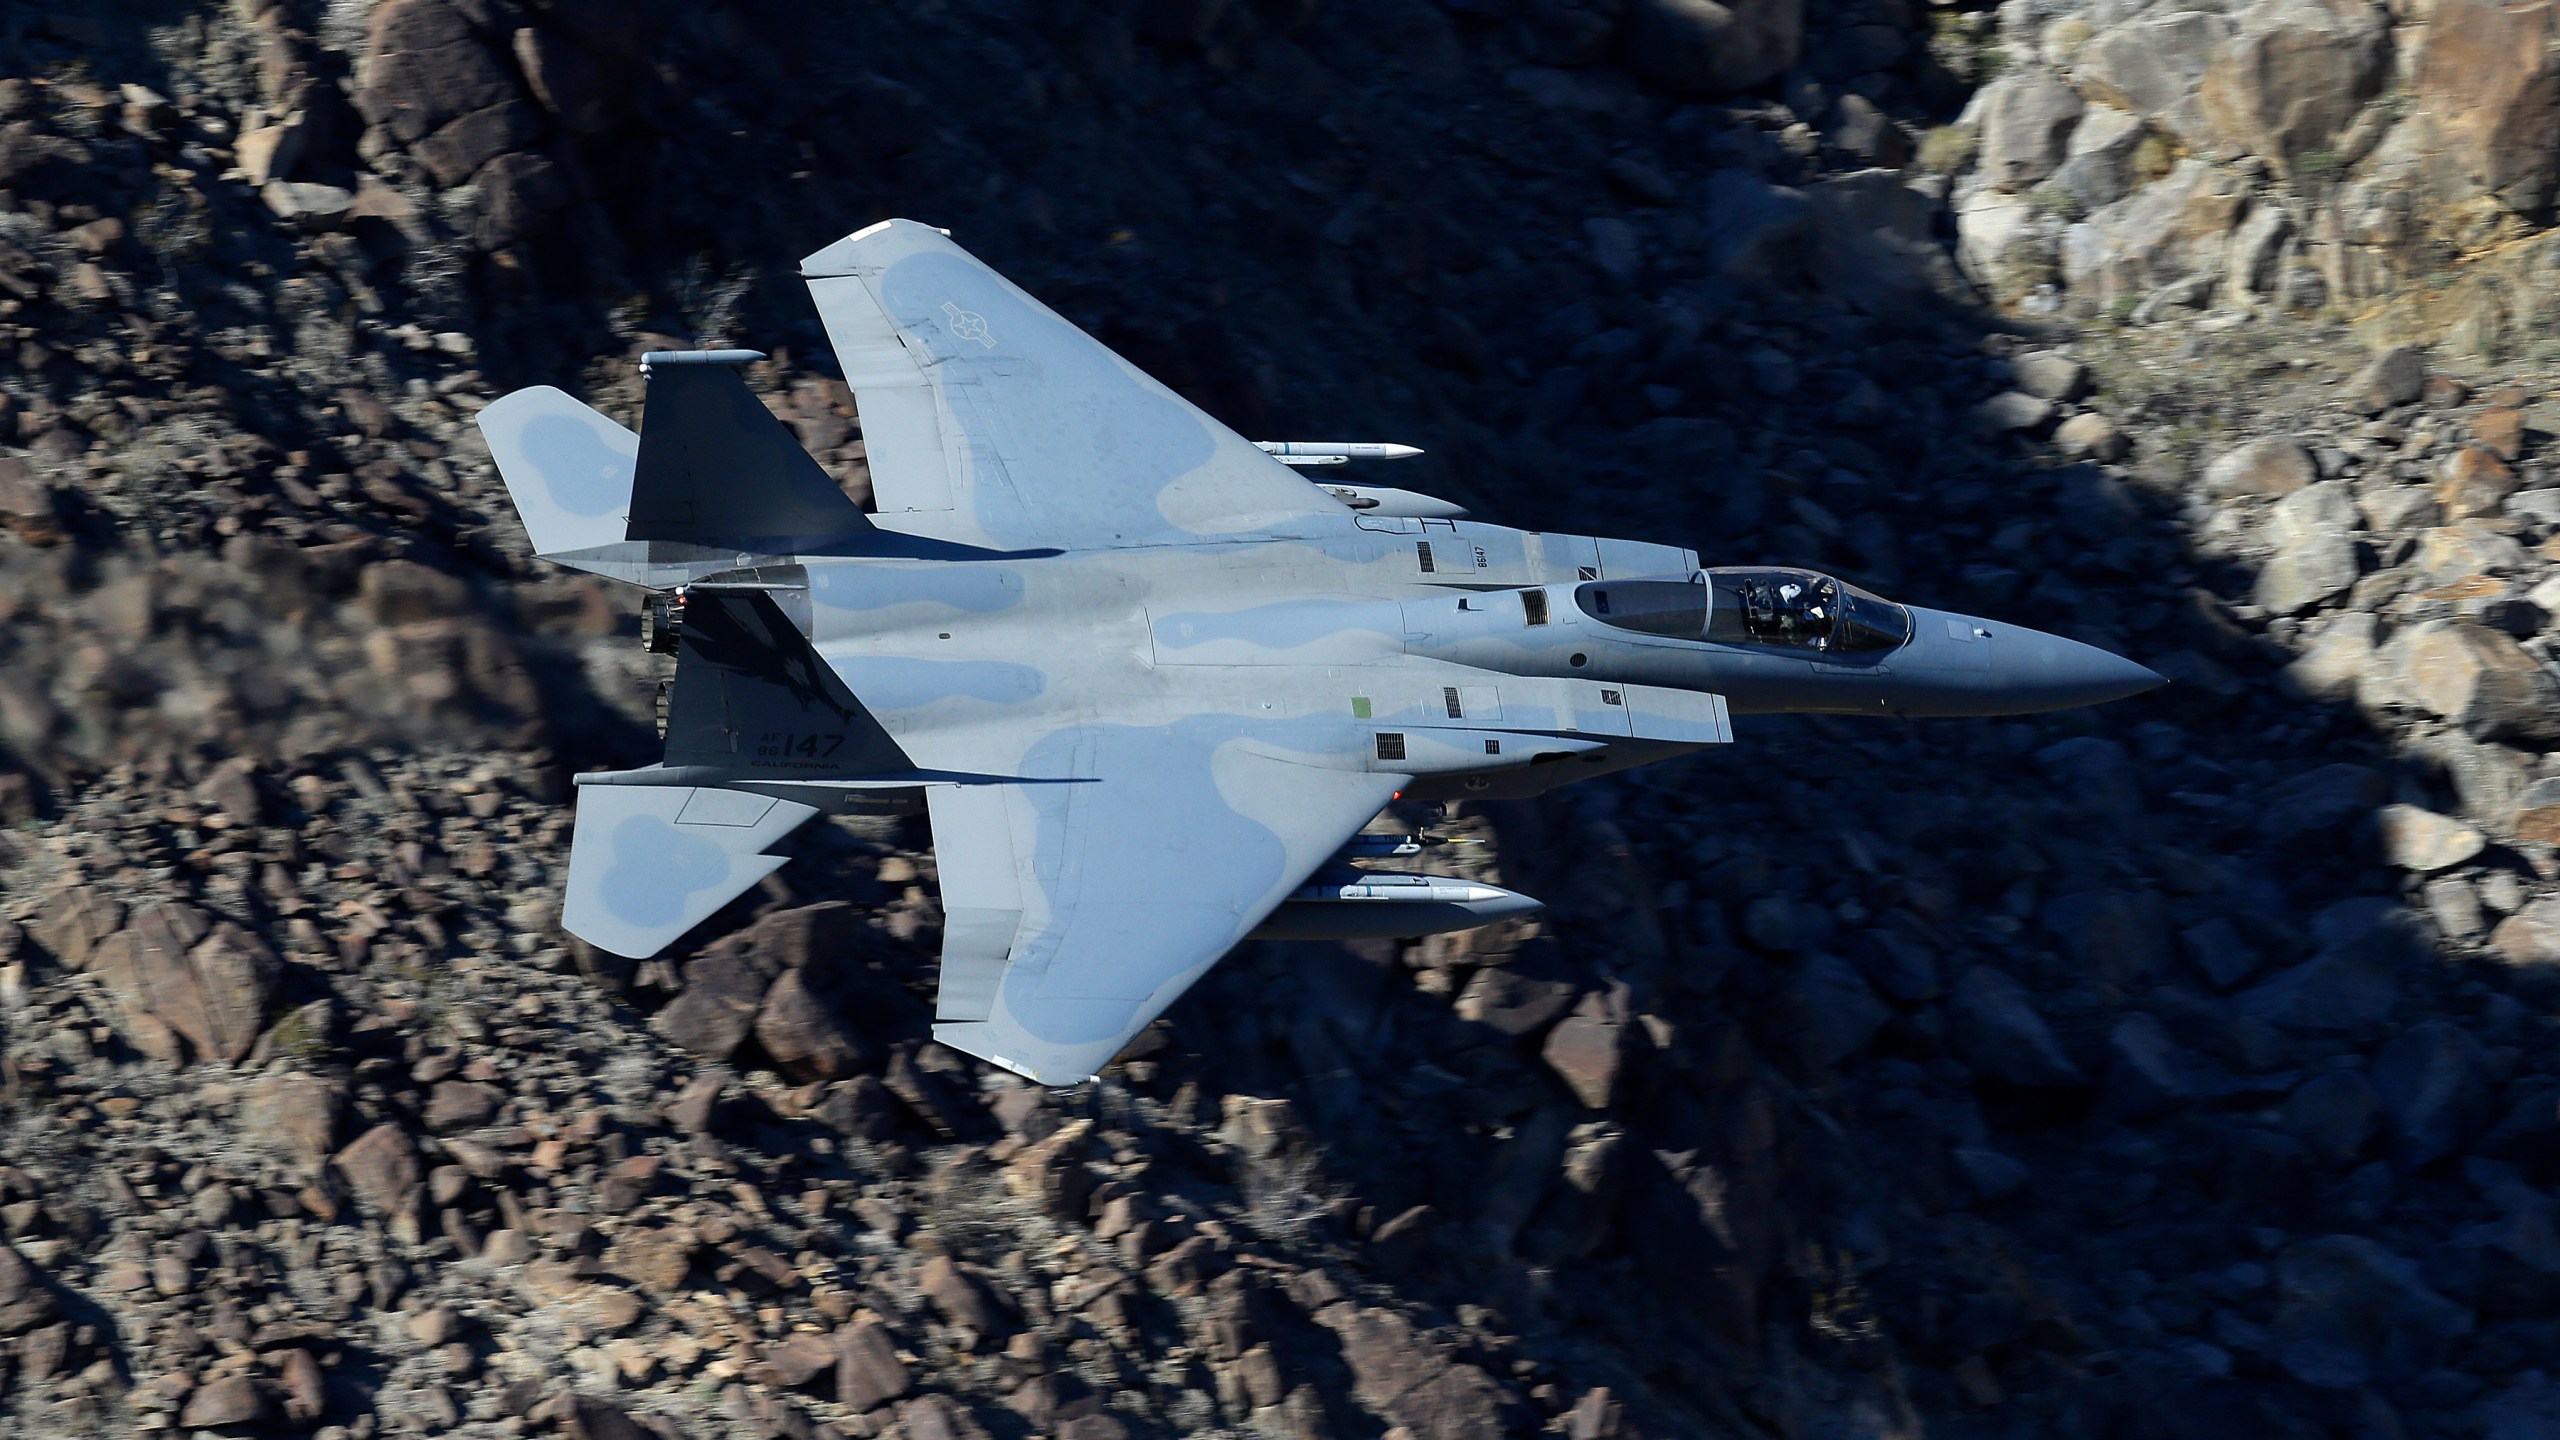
(1752, 230)
(2154, 67)
(2171, 231)
(2147, 1074)
(232, 1400)
(1842, 1012)
(1587, 1050)
(2013, 411)
(2391, 379)
(425, 64)
(2501, 431)
(2488, 74)
(2000, 245)
(2475, 482)
(2103, 159)
(1521, 997)
(2430, 1080)
(2335, 661)
(2219, 952)
(2477, 678)
(73, 922)
(2530, 936)
(804, 1033)
(717, 1009)
(2315, 558)
(962, 1297)
(308, 205)
(1402, 1378)
(869, 1373)
(26, 1296)
(2411, 837)
(455, 152)
(2335, 1114)
(2346, 1309)
(381, 1168)
(2090, 435)
(296, 1113)
(1699, 47)
(2024, 121)
(2051, 375)
(2294, 74)
(517, 193)
(2349, 986)
(184, 991)
(2119, 937)
(2326, 800)
(2273, 466)
(2537, 812)
(461, 1105)
(1993, 1027)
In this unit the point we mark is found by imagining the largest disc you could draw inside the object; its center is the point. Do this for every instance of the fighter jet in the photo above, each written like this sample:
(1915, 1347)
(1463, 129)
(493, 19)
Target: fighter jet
(1148, 680)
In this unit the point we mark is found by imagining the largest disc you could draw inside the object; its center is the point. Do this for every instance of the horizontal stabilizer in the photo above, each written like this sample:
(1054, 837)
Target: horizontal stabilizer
(648, 863)
(715, 467)
(567, 468)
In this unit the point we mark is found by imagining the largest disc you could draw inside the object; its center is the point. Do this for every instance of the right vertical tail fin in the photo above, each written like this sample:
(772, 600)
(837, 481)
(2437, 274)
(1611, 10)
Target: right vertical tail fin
(716, 468)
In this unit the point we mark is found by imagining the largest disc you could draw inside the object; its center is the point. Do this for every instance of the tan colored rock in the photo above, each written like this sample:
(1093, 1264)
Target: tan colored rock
(2530, 936)
(2397, 376)
(655, 1260)
(2537, 815)
(1586, 1050)
(2335, 661)
(869, 1373)
(2295, 75)
(803, 1033)
(2479, 679)
(2024, 120)
(271, 152)
(232, 1400)
(2412, 838)
(2153, 66)
(74, 922)
(2500, 430)
(297, 1113)
(184, 993)
(2091, 435)
(2273, 466)
(2476, 482)
(2177, 228)
(2488, 74)
(381, 1167)
(2465, 548)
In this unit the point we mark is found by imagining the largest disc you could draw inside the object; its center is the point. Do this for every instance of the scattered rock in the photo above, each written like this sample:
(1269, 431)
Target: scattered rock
(2391, 379)
(2411, 838)
(2262, 467)
(1995, 1028)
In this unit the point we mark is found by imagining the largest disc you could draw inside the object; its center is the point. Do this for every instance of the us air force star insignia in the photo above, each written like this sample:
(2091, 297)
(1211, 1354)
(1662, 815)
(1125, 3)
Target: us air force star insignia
(969, 324)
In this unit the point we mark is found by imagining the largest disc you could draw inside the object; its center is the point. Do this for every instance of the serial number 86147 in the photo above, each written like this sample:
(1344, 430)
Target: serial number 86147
(790, 745)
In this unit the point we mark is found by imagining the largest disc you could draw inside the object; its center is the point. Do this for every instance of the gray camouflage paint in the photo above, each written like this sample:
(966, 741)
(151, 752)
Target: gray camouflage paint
(1170, 658)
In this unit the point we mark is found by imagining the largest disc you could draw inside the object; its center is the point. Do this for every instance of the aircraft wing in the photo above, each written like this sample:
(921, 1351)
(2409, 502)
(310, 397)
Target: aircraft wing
(991, 421)
(1078, 905)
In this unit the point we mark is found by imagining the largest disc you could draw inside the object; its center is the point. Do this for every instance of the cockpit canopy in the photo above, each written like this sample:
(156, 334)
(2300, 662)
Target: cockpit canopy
(1796, 609)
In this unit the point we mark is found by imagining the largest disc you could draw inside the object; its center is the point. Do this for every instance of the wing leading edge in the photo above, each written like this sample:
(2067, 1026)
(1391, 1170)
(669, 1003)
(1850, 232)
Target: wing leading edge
(990, 420)
(1077, 910)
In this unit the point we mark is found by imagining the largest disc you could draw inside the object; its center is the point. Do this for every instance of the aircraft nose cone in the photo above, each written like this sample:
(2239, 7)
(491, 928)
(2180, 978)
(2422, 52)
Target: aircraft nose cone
(2067, 673)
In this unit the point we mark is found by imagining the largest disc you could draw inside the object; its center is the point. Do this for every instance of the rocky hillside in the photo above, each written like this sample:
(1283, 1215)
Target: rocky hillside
(2179, 1069)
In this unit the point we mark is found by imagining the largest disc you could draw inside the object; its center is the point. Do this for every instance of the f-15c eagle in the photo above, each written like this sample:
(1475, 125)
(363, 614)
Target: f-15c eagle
(1148, 680)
